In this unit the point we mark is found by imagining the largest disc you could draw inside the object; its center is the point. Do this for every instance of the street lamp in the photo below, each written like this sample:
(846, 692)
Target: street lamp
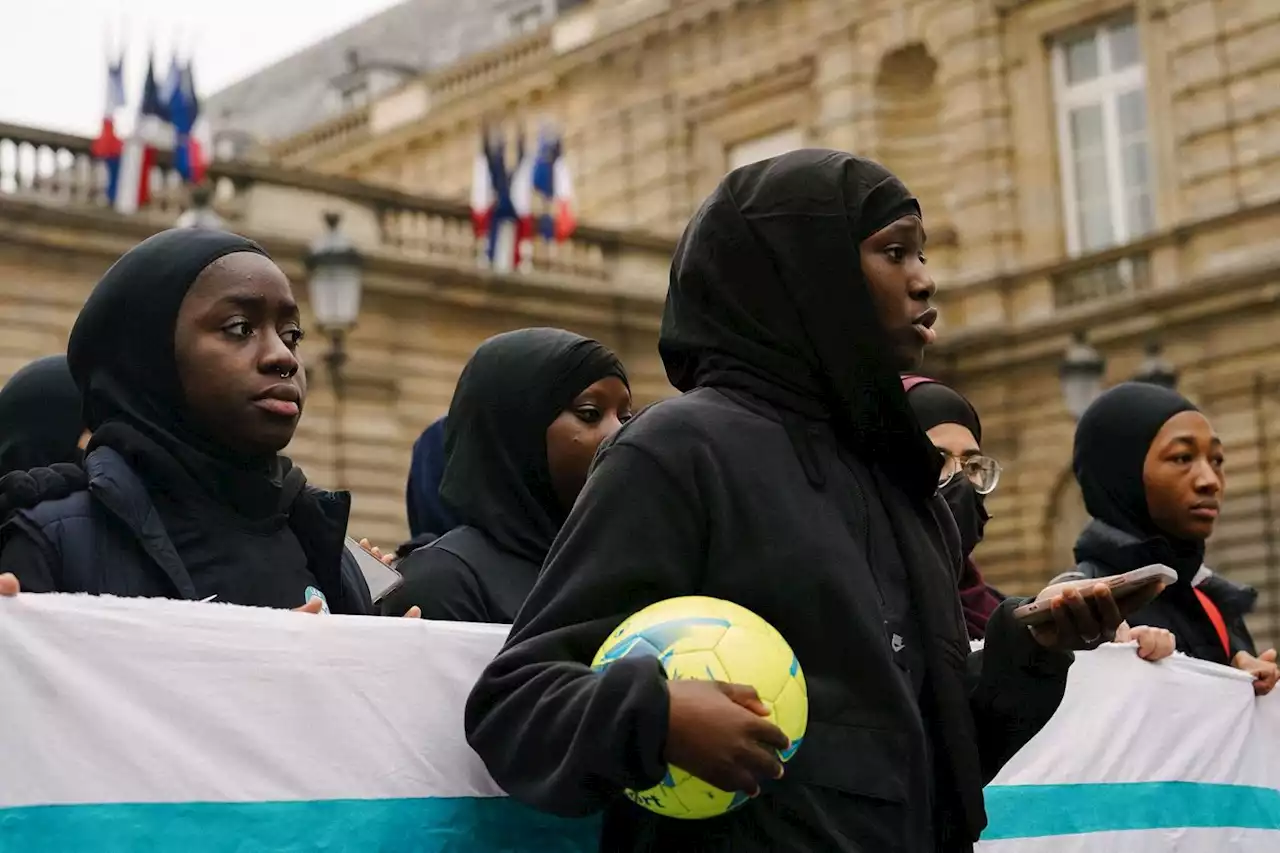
(335, 270)
(1081, 375)
(1155, 370)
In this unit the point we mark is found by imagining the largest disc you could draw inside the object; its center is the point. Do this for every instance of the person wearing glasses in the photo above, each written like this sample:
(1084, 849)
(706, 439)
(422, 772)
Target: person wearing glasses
(967, 477)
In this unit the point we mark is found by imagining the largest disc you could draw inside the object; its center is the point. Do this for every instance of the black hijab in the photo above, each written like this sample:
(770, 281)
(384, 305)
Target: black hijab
(935, 404)
(496, 477)
(1111, 444)
(767, 296)
(40, 423)
(121, 353)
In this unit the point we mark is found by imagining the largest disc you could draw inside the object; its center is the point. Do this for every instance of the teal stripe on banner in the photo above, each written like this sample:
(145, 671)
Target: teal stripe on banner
(1035, 811)
(433, 825)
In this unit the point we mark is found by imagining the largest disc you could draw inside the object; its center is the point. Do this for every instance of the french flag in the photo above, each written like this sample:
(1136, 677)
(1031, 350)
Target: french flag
(554, 186)
(107, 148)
(502, 204)
(139, 156)
(522, 192)
(484, 189)
(183, 110)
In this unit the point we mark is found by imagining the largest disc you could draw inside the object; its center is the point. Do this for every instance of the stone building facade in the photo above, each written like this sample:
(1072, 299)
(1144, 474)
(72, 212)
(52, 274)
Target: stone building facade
(1110, 167)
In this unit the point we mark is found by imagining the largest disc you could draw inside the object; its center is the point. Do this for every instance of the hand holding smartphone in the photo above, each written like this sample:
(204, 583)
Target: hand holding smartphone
(380, 577)
(1130, 590)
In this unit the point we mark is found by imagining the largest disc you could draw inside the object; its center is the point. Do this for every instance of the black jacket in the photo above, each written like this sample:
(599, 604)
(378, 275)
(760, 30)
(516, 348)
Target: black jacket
(463, 576)
(109, 540)
(1104, 550)
(704, 494)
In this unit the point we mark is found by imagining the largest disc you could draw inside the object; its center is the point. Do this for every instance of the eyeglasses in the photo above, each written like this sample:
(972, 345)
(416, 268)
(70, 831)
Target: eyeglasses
(983, 471)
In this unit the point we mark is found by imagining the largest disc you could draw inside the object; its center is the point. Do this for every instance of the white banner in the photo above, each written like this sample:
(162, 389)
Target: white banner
(1173, 756)
(130, 724)
(144, 724)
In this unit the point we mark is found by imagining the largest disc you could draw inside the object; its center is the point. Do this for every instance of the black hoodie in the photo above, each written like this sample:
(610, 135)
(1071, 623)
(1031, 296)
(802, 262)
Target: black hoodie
(496, 481)
(1111, 445)
(790, 478)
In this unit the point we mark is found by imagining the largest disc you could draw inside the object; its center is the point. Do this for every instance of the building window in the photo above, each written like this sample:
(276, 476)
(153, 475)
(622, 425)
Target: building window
(763, 147)
(1100, 87)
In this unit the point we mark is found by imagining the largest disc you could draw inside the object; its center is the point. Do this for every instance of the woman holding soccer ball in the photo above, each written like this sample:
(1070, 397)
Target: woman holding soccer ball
(791, 478)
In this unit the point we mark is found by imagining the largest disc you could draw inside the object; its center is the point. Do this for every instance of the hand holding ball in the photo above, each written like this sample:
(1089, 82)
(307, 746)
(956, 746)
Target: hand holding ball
(748, 714)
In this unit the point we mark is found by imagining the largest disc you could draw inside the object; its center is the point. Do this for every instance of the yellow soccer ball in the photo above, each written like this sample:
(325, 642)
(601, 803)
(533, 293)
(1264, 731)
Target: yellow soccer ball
(712, 640)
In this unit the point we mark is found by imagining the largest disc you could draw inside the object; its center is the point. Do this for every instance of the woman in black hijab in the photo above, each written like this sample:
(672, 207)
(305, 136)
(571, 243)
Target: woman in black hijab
(791, 478)
(967, 478)
(40, 421)
(529, 411)
(186, 358)
(1150, 468)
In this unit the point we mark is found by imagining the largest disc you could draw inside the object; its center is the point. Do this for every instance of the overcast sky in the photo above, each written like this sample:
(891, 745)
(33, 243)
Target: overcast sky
(53, 52)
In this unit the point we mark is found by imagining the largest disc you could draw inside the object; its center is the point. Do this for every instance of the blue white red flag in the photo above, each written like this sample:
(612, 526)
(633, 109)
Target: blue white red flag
(553, 185)
(107, 147)
(184, 111)
(138, 159)
(502, 203)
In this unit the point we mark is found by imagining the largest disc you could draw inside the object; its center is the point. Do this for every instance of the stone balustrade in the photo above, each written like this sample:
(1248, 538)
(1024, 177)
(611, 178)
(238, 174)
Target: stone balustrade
(1116, 293)
(57, 169)
(1031, 308)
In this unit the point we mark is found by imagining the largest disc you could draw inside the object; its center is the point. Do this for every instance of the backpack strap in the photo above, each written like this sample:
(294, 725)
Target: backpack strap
(1219, 624)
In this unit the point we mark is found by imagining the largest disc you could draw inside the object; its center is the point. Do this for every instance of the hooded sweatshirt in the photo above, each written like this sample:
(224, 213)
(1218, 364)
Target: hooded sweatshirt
(225, 515)
(496, 480)
(790, 478)
(40, 421)
(1111, 445)
(934, 403)
(428, 519)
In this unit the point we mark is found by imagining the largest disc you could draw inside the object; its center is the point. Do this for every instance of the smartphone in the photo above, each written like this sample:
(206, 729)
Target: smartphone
(1121, 586)
(380, 577)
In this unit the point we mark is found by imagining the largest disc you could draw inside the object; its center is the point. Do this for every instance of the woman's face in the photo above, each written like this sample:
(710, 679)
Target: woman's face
(1183, 477)
(573, 437)
(236, 342)
(893, 263)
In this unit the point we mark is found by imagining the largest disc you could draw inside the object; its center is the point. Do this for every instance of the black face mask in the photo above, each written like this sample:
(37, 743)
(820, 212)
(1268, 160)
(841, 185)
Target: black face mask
(969, 510)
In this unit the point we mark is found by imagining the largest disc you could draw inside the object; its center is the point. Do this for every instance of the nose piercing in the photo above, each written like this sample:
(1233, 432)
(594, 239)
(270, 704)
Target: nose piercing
(286, 374)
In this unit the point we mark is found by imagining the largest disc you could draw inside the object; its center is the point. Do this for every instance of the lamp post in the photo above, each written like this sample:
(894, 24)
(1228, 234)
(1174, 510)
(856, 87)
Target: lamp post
(1155, 370)
(1081, 375)
(335, 280)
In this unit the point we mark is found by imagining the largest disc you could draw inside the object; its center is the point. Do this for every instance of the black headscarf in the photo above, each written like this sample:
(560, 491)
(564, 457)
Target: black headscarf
(935, 404)
(496, 477)
(767, 296)
(40, 422)
(1111, 444)
(121, 353)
